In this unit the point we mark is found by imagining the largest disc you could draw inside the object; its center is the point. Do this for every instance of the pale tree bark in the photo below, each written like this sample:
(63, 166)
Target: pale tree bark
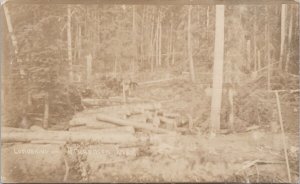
(134, 39)
(289, 40)
(142, 34)
(69, 37)
(12, 37)
(255, 39)
(10, 29)
(115, 65)
(75, 50)
(21, 69)
(268, 57)
(46, 111)
(159, 46)
(173, 54)
(152, 42)
(168, 54)
(207, 30)
(89, 67)
(248, 54)
(217, 70)
(79, 41)
(172, 45)
(190, 48)
(282, 38)
(258, 60)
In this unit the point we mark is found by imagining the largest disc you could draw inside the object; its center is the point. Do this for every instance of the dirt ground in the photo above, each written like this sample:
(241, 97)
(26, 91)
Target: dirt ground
(248, 155)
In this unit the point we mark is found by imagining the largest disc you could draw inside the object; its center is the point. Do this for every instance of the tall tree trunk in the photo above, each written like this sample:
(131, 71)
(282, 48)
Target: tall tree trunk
(268, 56)
(289, 40)
(142, 34)
(115, 66)
(79, 42)
(21, 69)
(255, 39)
(70, 44)
(258, 60)
(152, 42)
(173, 53)
(10, 29)
(13, 37)
(168, 53)
(190, 48)
(172, 45)
(134, 39)
(160, 39)
(46, 111)
(282, 39)
(217, 70)
(248, 65)
(75, 50)
(207, 31)
(89, 60)
(157, 41)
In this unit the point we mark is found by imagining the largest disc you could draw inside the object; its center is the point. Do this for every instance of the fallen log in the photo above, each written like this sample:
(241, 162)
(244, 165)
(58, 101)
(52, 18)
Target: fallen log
(47, 142)
(115, 130)
(69, 136)
(99, 125)
(157, 81)
(90, 122)
(119, 99)
(36, 128)
(171, 115)
(103, 117)
(95, 102)
(167, 120)
(170, 123)
(13, 129)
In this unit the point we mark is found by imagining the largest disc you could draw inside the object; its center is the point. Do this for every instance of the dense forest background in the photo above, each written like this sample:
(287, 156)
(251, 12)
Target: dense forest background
(54, 42)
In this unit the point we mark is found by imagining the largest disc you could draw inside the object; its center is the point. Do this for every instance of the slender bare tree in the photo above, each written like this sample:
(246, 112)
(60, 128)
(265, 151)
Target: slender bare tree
(190, 47)
(217, 70)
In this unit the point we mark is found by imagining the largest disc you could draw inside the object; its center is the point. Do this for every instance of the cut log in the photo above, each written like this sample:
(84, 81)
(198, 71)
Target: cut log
(119, 99)
(99, 125)
(170, 124)
(90, 121)
(116, 130)
(69, 136)
(47, 142)
(103, 117)
(13, 129)
(95, 102)
(167, 121)
(156, 81)
(36, 128)
(171, 115)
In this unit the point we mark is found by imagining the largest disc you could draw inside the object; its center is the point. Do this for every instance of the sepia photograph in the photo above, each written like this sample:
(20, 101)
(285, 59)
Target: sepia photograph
(156, 91)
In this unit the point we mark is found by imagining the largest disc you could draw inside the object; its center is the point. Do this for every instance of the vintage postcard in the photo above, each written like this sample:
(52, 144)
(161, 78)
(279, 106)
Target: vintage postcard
(150, 91)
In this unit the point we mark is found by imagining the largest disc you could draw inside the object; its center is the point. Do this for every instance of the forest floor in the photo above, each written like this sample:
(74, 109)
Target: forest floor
(246, 156)
(252, 154)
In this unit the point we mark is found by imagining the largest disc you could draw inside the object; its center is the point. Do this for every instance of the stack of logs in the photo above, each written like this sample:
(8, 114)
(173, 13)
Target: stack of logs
(97, 131)
(106, 128)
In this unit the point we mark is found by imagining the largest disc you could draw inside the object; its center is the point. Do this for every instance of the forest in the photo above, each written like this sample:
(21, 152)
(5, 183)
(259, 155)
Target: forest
(184, 93)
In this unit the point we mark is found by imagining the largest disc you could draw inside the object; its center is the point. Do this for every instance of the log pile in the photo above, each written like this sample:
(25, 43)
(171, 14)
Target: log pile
(105, 128)
(118, 137)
